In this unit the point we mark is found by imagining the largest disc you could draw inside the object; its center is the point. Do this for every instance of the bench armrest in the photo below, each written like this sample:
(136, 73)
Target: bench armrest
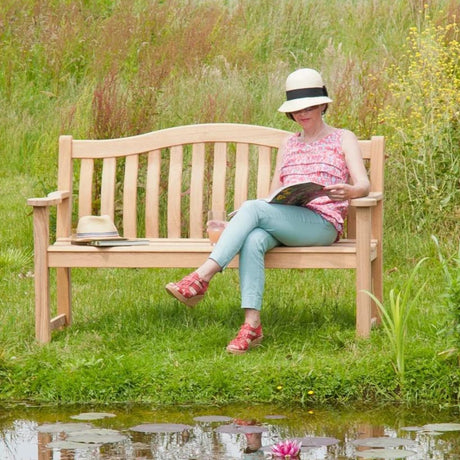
(369, 200)
(41, 213)
(53, 199)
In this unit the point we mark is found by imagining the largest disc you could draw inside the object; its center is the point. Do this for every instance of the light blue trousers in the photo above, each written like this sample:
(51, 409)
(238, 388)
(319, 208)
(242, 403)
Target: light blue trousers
(258, 227)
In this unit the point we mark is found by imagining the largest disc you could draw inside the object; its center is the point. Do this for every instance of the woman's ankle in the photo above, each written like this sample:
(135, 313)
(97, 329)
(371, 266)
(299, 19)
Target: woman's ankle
(208, 270)
(252, 317)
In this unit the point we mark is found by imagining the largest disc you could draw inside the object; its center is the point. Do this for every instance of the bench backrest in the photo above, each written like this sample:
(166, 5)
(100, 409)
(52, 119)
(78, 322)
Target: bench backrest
(162, 184)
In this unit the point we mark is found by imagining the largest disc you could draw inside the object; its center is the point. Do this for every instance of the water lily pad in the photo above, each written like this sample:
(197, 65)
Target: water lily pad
(161, 428)
(92, 416)
(63, 427)
(212, 418)
(318, 441)
(442, 427)
(275, 417)
(384, 442)
(69, 445)
(386, 453)
(97, 436)
(236, 429)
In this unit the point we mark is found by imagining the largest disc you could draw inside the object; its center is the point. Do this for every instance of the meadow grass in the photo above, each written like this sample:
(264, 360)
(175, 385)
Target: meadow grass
(108, 69)
(131, 342)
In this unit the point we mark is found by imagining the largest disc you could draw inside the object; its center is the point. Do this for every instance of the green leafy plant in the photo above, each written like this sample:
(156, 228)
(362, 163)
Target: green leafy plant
(424, 90)
(451, 297)
(395, 318)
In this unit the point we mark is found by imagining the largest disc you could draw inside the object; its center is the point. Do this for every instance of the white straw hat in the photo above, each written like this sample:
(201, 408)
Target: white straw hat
(93, 228)
(304, 88)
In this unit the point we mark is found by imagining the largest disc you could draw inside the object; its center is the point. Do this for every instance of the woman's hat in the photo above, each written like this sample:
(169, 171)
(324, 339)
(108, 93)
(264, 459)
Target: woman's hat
(94, 228)
(304, 88)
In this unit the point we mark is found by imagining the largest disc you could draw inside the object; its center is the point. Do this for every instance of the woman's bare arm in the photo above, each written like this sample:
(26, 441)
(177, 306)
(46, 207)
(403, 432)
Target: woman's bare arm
(359, 181)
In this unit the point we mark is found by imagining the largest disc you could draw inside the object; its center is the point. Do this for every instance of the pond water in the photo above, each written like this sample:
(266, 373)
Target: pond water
(224, 433)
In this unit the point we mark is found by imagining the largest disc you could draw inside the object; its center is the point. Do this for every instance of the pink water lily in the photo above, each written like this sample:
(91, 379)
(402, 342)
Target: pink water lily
(289, 449)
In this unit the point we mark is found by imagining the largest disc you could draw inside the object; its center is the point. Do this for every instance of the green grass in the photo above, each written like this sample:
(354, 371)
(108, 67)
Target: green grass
(130, 341)
(62, 72)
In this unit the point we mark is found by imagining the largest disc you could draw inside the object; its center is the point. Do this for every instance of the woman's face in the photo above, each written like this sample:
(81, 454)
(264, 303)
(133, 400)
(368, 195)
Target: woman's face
(308, 116)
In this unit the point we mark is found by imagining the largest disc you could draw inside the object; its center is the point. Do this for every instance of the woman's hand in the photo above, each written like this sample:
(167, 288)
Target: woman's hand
(340, 192)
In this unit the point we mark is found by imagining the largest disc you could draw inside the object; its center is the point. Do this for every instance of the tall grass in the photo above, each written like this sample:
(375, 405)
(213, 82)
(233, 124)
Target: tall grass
(108, 68)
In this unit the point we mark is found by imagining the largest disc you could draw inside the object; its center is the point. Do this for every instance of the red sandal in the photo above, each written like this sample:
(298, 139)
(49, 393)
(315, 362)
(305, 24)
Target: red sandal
(189, 290)
(248, 337)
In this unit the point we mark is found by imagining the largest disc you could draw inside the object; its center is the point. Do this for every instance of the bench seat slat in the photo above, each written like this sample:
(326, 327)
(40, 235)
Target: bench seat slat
(186, 253)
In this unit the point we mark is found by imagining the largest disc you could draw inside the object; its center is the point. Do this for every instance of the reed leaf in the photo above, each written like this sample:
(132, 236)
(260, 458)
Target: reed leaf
(395, 318)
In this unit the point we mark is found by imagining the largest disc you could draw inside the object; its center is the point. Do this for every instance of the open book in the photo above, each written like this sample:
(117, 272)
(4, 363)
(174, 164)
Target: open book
(295, 194)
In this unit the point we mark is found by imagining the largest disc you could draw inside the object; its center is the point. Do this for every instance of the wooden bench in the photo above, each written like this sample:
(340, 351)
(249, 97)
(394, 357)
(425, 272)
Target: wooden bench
(160, 186)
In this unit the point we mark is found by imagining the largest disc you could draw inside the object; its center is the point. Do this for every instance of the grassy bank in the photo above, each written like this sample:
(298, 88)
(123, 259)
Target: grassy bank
(104, 69)
(131, 342)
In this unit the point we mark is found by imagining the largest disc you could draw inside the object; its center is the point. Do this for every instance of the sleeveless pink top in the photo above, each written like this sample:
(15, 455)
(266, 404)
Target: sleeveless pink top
(322, 161)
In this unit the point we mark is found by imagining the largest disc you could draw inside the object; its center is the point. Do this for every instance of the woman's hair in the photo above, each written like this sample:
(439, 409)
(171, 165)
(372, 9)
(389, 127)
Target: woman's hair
(291, 117)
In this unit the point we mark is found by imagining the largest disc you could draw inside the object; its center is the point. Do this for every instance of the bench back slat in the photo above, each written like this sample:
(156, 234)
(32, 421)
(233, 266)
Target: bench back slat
(85, 201)
(196, 190)
(219, 177)
(264, 171)
(377, 159)
(241, 174)
(175, 192)
(152, 194)
(109, 170)
(130, 196)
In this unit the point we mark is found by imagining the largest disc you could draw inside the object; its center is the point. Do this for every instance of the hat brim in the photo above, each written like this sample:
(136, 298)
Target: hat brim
(298, 104)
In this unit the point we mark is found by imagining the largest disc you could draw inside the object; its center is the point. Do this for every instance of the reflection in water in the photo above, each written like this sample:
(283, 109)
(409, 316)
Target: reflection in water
(225, 433)
(253, 440)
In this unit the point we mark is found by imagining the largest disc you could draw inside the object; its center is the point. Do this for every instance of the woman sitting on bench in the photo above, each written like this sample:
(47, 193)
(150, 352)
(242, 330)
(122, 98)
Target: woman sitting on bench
(318, 153)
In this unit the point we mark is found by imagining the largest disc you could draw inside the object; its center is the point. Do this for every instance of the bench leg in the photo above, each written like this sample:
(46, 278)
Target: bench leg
(42, 275)
(64, 305)
(363, 273)
(363, 303)
(377, 288)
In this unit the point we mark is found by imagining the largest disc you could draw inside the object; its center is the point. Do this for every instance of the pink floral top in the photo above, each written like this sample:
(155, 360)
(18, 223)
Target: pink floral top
(321, 161)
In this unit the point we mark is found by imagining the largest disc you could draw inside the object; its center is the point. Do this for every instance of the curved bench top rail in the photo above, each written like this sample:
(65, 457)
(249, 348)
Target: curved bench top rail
(191, 134)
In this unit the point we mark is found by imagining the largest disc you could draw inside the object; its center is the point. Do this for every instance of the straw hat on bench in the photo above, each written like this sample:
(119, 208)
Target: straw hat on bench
(95, 228)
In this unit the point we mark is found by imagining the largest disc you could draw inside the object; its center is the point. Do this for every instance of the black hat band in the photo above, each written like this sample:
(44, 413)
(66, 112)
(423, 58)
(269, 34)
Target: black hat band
(305, 92)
